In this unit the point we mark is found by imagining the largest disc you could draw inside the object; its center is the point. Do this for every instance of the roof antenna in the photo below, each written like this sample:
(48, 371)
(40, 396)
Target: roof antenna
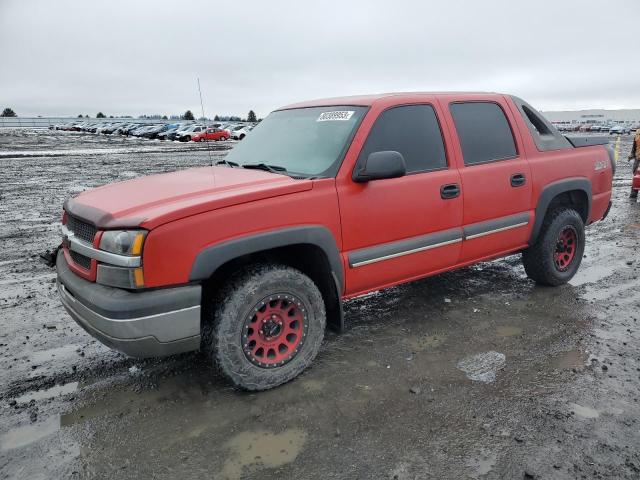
(205, 130)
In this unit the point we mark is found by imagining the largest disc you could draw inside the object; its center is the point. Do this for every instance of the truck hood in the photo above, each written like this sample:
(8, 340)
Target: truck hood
(157, 199)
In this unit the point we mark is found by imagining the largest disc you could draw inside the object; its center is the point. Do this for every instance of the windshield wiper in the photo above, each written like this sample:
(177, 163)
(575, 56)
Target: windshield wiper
(227, 162)
(266, 167)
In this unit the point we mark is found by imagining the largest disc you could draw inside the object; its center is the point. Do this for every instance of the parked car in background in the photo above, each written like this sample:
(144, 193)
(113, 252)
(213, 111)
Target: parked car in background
(153, 132)
(103, 128)
(618, 130)
(210, 134)
(122, 128)
(186, 134)
(172, 129)
(131, 128)
(239, 132)
(144, 129)
(112, 128)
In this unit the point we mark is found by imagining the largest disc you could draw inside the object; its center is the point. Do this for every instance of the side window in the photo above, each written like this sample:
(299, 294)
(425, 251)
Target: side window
(412, 130)
(544, 134)
(483, 131)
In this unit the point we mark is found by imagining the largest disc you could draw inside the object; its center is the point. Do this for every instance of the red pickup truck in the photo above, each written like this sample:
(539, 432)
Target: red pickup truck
(326, 200)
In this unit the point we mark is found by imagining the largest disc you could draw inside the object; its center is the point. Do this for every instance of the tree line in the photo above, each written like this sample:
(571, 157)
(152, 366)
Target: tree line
(188, 115)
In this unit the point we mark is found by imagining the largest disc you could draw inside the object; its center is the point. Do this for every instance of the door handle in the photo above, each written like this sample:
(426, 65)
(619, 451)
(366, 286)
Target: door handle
(450, 191)
(518, 179)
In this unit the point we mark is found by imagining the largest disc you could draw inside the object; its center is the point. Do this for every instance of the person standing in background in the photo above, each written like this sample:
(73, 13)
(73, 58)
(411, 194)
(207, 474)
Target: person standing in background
(635, 156)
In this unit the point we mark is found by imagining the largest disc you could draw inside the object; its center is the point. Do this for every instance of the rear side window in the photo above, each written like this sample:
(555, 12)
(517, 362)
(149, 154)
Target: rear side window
(484, 132)
(412, 130)
(545, 136)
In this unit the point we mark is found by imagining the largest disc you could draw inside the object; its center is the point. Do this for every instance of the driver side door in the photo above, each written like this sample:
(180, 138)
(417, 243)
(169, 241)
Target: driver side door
(398, 229)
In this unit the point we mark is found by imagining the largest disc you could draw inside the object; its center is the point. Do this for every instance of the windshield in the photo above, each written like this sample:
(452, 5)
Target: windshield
(305, 141)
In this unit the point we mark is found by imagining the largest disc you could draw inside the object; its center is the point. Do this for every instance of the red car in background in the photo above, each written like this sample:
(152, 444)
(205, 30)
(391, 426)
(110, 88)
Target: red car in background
(211, 134)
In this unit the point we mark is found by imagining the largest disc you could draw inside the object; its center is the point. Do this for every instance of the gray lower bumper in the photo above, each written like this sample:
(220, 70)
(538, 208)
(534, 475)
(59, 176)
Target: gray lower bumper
(140, 324)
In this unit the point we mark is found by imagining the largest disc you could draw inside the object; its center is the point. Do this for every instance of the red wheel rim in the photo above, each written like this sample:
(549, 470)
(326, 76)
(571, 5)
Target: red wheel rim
(275, 330)
(565, 248)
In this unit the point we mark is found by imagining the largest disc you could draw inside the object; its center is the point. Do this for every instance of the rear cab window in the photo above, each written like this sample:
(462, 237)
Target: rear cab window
(413, 131)
(484, 132)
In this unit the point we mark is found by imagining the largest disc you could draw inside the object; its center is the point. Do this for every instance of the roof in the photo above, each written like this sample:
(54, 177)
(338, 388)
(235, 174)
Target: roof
(368, 100)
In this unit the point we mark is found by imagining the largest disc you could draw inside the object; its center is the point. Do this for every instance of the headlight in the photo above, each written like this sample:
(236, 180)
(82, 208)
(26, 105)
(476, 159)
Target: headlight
(123, 242)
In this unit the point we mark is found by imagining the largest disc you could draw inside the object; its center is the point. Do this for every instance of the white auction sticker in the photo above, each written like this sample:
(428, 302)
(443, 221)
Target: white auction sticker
(340, 115)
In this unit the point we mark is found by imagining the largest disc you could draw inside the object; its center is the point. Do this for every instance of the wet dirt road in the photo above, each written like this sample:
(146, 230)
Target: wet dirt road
(472, 374)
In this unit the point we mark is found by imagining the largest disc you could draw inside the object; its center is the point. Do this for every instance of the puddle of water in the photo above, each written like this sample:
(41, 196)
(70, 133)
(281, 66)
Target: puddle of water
(569, 360)
(260, 449)
(584, 412)
(48, 392)
(482, 367)
(482, 464)
(596, 292)
(22, 436)
(593, 274)
(427, 342)
(313, 386)
(508, 331)
(44, 356)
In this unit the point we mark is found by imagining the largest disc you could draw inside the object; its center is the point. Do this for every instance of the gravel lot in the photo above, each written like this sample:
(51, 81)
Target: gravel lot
(471, 374)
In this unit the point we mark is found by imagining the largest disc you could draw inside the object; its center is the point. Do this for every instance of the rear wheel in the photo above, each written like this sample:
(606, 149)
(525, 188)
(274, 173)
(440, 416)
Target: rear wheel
(201, 139)
(266, 326)
(555, 257)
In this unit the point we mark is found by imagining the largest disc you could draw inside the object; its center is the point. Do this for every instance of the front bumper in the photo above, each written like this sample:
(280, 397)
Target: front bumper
(140, 324)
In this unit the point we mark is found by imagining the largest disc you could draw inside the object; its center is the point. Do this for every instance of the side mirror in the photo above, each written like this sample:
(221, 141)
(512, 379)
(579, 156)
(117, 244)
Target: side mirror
(380, 165)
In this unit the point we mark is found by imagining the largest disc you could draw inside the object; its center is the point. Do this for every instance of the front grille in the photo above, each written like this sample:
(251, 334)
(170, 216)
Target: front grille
(79, 259)
(83, 230)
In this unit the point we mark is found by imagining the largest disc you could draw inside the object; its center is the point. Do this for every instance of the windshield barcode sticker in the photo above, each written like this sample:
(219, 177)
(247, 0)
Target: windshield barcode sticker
(329, 116)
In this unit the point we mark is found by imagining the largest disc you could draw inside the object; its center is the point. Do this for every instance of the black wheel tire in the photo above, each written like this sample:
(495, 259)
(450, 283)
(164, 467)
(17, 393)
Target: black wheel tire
(202, 139)
(241, 137)
(538, 260)
(223, 329)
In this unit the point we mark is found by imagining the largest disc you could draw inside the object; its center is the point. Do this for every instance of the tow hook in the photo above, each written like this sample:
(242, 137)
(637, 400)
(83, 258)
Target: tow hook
(49, 257)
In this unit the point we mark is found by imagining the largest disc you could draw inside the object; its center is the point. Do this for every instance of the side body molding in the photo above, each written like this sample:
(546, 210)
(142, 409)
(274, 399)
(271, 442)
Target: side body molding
(211, 258)
(550, 192)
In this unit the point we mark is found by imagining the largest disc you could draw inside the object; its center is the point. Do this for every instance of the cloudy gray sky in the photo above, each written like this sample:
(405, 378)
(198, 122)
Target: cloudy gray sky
(133, 57)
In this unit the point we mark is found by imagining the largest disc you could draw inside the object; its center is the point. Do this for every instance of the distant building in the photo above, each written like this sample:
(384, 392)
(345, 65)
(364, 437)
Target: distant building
(597, 116)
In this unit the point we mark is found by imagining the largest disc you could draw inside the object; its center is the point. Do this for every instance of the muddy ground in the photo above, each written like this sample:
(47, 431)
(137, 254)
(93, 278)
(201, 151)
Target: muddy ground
(472, 374)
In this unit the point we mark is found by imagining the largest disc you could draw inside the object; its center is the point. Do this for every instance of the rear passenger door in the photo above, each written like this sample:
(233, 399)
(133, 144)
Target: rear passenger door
(495, 176)
(402, 228)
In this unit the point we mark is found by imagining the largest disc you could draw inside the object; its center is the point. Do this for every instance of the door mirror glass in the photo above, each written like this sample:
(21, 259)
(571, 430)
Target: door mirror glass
(380, 165)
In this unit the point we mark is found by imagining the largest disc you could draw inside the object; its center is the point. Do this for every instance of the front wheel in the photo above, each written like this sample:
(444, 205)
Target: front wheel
(266, 326)
(555, 257)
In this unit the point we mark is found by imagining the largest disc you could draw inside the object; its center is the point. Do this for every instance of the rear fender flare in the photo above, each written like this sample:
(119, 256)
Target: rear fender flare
(553, 190)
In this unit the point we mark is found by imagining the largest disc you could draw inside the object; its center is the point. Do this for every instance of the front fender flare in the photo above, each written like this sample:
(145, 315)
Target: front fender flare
(213, 257)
